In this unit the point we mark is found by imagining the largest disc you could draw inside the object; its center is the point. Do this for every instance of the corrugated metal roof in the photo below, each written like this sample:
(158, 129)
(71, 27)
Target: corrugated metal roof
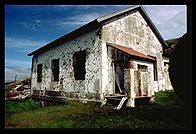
(130, 51)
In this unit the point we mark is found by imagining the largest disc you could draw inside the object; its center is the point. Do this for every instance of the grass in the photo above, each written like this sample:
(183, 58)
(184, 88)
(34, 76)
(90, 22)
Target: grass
(162, 99)
(18, 106)
(161, 115)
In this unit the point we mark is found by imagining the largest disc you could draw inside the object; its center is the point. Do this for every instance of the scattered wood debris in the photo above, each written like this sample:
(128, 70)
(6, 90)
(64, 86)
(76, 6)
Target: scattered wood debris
(19, 91)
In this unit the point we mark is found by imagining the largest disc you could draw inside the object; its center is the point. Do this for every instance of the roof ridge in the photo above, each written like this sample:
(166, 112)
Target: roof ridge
(96, 23)
(115, 13)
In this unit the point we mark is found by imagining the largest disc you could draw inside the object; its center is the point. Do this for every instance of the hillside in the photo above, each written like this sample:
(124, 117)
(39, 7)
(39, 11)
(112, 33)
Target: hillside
(171, 45)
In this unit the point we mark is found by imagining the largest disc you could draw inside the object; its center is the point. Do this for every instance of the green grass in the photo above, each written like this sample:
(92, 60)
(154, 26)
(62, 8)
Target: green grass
(20, 106)
(168, 98)
(161, 115)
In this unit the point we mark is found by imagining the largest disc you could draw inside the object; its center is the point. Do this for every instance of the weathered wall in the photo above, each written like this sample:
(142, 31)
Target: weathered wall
(135, 75)
(87, 89)
(166, 80)
(131, 30)
(150, 73)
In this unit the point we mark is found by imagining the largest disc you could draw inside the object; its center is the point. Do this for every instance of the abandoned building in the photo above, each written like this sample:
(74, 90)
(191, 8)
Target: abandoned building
(117, 54)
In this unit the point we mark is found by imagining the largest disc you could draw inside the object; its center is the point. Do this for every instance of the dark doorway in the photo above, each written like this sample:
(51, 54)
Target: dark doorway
(119, 77)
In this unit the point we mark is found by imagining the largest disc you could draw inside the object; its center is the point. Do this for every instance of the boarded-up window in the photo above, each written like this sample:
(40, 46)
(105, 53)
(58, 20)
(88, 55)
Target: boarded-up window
(55, 69)
(39, 73)
(79, 59)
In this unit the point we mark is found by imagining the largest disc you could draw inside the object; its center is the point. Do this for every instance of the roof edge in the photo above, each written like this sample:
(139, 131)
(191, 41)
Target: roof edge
(111, 15)
(75, 33)
(141, 9)
(95, 24)
(153, 27)
(116, 46)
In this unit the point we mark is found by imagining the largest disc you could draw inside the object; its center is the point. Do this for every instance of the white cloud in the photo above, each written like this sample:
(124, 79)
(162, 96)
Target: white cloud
(161, 13)
(174, 27)
(85, 16)
(21, 73)
(33, 25)
(38, 21)
(22, 45)
(80, 19)
(63, 7)
(20, 67)
(85, 7)
(13, 62)
(170, 20)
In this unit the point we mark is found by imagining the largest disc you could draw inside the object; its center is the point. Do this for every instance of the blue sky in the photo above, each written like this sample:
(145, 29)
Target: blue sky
(28, 27)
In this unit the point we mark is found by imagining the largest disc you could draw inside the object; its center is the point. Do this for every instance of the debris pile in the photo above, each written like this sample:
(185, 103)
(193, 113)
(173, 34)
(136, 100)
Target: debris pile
(20, 91)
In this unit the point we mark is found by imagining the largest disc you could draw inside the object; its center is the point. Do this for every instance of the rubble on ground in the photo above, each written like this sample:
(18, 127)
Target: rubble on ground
(19, 91)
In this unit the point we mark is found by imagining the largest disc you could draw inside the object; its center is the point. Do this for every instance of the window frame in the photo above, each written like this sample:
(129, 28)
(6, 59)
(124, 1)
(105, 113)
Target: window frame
(79, 64)
(39, 72)
(55, 70)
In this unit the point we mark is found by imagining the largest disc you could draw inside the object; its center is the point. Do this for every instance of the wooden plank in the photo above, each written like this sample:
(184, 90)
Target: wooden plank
(118, 99)
(116, 96)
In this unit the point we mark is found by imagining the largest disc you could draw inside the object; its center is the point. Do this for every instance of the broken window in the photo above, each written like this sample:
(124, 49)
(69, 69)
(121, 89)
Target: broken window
(155, 68)
(79, 59)
(142, 67)
(39, 73)
(166, 66)
(155, 71)
(166, 63)
(55, 69)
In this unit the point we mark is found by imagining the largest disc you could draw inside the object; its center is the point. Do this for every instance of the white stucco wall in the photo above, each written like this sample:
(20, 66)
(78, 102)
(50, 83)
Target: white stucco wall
(90, 88)
(150, 73)
(131, 30)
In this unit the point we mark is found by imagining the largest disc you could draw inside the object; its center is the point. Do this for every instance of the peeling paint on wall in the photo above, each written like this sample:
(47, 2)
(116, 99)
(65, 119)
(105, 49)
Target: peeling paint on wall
(132, 31)
(129, 30)
(67, 83)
